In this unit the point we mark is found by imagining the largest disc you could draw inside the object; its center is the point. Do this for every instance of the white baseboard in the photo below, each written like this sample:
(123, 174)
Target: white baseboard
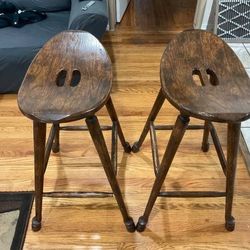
(203, 11)
(121, 6)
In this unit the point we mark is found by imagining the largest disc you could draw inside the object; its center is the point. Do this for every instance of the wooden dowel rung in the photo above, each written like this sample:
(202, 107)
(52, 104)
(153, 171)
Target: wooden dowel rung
(48, 147)
(83, 128)
(78, 194)
(154, 148)
(170, 127)
(218, 148)
(197, 194)
(114, 147)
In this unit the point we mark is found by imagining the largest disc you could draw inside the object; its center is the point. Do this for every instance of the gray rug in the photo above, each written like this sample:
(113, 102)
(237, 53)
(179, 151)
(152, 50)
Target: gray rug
(14, 217)
(8, 222)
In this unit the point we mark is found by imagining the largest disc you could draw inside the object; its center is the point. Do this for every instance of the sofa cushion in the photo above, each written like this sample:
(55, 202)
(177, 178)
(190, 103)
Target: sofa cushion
(42, 5)
(93, 20)
(19, 46)
(36, 34)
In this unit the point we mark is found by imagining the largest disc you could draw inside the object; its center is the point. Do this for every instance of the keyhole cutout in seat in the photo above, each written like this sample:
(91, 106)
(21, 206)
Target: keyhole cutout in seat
(76, 77)
(199, 81)
(212, 77)
(197, 78)
(60, 79)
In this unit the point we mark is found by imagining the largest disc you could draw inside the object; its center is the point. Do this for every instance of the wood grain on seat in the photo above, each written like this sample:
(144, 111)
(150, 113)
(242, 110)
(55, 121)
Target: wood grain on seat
(202, 77)
(69, 79)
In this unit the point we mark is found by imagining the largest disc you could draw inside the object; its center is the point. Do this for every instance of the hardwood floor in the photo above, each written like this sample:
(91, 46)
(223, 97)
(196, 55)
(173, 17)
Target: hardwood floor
(135, 48)
(155, 15)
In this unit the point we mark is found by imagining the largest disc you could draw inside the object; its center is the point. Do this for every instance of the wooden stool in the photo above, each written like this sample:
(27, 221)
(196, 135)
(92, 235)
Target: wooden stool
(221, 94)
(71, 79)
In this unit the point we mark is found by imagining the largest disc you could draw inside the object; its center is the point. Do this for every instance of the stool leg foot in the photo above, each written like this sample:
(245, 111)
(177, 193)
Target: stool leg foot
(101, 148)
(230, 224)
(152, 116)
(205, 143)
(141, 224)
(36, 225)
(56, 143)
(232, 152)
(130, 225)
(173, 144)
(127, 148)
(39, 133)
(114, 118)
(135, 147)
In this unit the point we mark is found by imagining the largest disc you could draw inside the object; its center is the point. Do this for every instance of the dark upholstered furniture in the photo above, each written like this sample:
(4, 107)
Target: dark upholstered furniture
(18, 46)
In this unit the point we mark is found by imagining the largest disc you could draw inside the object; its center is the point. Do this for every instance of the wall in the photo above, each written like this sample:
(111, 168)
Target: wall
(204, 14)
(121, 6)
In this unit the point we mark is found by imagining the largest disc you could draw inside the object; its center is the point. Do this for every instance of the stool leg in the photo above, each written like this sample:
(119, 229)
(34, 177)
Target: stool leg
(98, 139)
(154, 112)
(205, 143)
(232, 151)
(39, 131)
(173, 144)
(114, 118)
(56, 143)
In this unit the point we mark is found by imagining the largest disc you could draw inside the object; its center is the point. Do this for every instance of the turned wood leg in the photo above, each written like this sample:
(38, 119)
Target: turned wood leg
(173, 144)
(39, 133)
(205, 143)
(232, 152)
(114, 118)
(56, 143)
(101, 148)
(152, 116)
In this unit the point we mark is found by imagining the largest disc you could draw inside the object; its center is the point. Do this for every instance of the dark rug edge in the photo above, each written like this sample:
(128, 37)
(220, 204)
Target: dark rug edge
(26, 199)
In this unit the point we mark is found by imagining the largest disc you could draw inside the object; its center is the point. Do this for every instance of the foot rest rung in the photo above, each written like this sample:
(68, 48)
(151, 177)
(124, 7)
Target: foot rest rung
(83, 128)
(197, 194)
(170, 127)
(78, 194)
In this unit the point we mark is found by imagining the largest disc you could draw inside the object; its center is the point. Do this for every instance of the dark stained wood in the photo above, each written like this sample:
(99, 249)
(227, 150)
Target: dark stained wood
(203, 78)
(77, 223)
(153, 138)
(49, 145)
(101, 148)
(218, 148)
(71, 79)
(39, 134)
(78, 194)
(114, 118)
(226, 100)
(153, 114)
(170, 127)
(205, 142)
(83, 128)
(67, 52)
(155, 155)
(114, 147)
(173, 144)
(56, 143)
(233, 138)
(188, 194)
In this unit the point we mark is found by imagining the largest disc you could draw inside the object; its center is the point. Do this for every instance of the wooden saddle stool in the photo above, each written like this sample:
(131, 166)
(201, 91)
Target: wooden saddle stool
(71, 79)
(221, 94)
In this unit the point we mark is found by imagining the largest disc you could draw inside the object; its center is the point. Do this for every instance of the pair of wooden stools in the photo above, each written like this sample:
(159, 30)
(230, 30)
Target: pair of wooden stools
(71, 79)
